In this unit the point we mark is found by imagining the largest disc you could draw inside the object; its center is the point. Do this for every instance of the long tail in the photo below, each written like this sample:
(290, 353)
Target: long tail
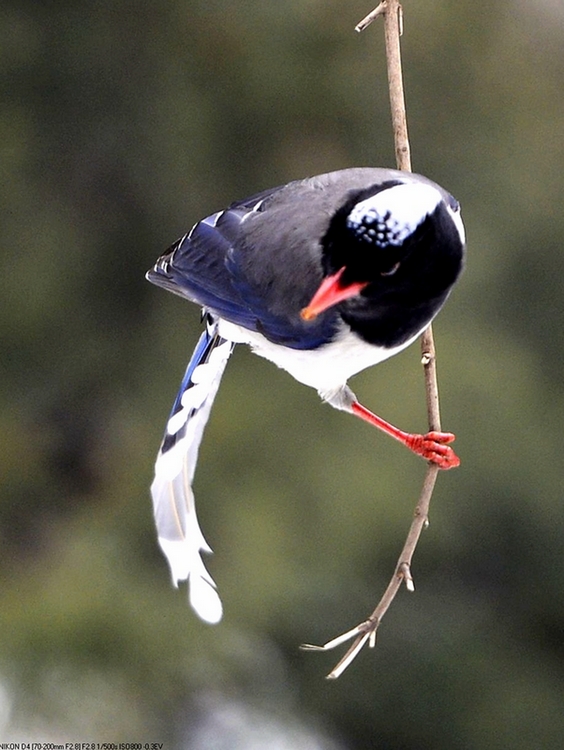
(179, 533)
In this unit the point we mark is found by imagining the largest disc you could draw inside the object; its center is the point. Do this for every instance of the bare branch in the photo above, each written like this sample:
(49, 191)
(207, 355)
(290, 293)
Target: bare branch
(429, 362)
(395, 84)
(366, 631)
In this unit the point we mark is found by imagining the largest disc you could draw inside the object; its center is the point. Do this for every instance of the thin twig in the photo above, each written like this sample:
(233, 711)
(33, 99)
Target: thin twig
(429, 362)
(366, 631)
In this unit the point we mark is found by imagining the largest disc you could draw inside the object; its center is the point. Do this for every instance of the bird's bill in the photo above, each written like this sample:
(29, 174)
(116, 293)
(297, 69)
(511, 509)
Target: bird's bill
(330, 292)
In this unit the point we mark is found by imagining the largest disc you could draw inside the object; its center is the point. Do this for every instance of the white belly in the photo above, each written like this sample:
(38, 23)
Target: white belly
(326, 368)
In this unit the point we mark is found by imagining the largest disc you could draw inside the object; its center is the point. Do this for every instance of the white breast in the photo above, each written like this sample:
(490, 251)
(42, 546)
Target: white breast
(327, 368)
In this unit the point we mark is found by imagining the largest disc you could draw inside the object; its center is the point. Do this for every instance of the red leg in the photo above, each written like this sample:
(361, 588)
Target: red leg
(433, 446)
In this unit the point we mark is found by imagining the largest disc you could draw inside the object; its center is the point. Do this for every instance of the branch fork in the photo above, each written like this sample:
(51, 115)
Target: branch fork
(380, 10)
(366, 632)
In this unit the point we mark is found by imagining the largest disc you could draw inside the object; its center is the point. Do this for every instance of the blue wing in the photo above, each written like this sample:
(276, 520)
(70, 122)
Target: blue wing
(224, 265)
(179, 533)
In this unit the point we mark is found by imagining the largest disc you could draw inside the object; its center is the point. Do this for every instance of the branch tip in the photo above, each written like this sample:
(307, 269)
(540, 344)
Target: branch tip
(359, 630)
(349, 657)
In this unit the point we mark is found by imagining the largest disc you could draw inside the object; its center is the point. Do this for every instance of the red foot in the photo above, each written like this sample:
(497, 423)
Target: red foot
(434, 447)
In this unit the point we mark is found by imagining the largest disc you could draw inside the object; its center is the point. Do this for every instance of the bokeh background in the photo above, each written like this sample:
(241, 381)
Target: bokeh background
(121, 124)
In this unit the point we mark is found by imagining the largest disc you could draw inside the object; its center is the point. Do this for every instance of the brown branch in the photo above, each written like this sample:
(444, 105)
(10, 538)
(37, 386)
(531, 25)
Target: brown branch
(366, 631)
(392, 32)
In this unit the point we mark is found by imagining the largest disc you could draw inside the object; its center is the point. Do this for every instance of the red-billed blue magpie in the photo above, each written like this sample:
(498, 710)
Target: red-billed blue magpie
(324, 277)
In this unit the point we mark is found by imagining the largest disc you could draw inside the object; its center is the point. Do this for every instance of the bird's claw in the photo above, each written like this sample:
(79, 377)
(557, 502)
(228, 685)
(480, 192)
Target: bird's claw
(433, 446)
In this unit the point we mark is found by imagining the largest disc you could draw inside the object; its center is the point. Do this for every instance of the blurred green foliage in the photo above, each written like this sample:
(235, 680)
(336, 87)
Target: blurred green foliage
(123, 123)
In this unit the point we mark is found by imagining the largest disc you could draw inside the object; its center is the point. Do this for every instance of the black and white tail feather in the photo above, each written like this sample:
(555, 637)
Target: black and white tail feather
(180, 536)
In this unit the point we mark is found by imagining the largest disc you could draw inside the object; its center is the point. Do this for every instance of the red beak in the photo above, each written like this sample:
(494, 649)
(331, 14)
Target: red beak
(330, 293)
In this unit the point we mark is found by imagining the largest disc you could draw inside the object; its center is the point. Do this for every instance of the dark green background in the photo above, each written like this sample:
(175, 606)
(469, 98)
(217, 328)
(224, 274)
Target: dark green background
(123, 123)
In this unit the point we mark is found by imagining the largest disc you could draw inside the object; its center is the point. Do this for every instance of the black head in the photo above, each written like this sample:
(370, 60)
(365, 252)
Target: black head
(400, 247)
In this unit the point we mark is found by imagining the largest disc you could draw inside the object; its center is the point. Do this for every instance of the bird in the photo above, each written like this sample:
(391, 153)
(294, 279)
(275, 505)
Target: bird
(324, 276)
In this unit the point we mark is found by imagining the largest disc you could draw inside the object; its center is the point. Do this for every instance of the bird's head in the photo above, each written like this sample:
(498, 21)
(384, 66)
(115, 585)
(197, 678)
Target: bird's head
(395, 237)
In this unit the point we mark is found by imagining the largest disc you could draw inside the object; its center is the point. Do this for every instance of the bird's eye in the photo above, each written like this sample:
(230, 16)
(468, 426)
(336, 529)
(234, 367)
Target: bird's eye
(392, 270)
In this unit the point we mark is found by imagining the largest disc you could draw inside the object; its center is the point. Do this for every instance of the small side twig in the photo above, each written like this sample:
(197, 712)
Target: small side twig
(366, 631)
(372, 16)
